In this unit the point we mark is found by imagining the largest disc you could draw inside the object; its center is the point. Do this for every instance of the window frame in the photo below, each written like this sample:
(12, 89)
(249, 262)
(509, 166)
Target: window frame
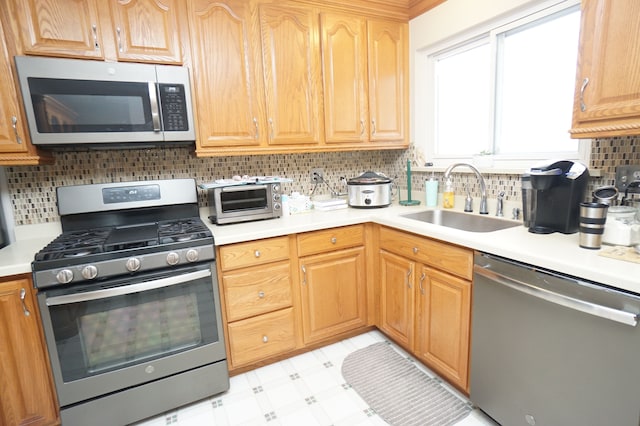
(424, 86)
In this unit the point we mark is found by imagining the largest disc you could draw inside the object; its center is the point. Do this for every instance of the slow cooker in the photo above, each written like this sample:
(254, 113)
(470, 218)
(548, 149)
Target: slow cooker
(369, 190)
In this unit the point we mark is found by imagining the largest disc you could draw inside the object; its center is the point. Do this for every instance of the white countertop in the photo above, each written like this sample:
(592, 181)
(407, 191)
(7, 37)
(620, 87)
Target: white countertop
(557, 252)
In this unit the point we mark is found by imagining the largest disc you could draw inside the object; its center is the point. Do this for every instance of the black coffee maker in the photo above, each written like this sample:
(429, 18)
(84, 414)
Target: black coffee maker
(552, 193)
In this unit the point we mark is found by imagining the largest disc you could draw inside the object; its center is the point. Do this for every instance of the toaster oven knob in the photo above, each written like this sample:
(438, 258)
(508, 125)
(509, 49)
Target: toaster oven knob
(89, 272)
(64, 276)
(173, 258)
(192, 255)
(276, 197)
(133, 264)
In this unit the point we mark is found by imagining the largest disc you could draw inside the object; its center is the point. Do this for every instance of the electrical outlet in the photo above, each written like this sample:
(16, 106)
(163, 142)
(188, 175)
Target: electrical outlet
(316, 175)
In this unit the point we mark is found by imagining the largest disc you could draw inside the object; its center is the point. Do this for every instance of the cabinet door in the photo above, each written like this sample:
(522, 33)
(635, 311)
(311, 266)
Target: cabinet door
(388, 80)
(291, 63)
(607, 100)
(442, 324)
(344, 66)
(12, 131)
(146, 30)
(333, 293)
(28, 396)
(228, 92)
(60, 28)
(396, 285)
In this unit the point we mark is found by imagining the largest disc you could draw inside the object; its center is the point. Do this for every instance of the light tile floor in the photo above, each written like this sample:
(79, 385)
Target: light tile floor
(307, 390)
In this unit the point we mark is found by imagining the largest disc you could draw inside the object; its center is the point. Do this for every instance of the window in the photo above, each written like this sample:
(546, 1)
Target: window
(507, 91)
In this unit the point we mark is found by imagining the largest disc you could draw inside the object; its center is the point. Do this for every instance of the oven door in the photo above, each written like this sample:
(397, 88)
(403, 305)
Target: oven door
(112, 336)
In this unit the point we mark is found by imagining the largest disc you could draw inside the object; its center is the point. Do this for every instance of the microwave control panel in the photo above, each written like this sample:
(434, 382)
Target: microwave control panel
(174, 107)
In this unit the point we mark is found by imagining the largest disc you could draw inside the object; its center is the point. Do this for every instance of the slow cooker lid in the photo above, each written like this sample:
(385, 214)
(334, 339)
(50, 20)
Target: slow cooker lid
(369, 178)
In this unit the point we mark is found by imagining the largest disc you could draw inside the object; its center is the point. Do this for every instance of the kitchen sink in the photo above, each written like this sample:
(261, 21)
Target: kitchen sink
(463, 221)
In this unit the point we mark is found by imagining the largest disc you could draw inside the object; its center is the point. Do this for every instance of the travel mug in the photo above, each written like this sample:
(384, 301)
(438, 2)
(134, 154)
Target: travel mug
(592, 219)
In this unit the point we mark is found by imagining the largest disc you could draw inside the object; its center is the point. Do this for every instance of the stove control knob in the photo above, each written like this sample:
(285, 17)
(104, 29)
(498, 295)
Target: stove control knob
(64, 276)
(133, 264)
(192, 255)
(89, 272)
(173, 258)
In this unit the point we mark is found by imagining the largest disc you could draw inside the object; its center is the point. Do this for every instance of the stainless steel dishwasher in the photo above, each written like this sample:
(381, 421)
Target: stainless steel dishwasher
(549, 349)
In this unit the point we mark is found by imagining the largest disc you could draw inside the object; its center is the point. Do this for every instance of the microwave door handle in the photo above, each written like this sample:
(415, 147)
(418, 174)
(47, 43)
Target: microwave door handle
(155, 111)
(127, 289)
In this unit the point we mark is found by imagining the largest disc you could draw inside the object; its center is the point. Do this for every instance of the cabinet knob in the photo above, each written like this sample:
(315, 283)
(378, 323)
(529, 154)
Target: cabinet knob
(265, 339)
(415, 250)
(261, 294)
(334, 240)
(256, 253)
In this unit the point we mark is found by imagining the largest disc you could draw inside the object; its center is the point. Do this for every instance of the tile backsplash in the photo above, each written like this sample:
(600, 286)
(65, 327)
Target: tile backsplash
(32, 188)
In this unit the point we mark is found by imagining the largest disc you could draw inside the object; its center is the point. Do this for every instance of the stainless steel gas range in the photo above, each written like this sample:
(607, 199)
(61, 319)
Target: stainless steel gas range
(129, 301)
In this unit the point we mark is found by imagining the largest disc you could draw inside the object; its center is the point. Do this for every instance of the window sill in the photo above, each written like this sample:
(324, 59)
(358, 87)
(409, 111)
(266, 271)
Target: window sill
(489, 170)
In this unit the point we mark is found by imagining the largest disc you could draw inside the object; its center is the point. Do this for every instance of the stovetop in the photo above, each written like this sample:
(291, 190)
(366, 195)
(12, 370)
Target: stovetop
(84, 244)
(122, 229)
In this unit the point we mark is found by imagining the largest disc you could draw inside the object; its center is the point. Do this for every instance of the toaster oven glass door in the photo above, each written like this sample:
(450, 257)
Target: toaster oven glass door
(238, 199)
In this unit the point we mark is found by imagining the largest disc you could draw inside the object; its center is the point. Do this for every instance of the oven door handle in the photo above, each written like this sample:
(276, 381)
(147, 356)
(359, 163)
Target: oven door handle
(127, 289)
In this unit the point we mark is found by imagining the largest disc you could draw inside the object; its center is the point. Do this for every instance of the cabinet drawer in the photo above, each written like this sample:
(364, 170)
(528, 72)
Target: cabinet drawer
(257, 338)
(253, 253)
(330, 239)
(254, 291)
(453, 259)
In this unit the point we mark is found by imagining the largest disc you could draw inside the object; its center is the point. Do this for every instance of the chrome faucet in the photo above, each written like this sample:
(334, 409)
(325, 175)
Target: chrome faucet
(500, 205)
(483, 186)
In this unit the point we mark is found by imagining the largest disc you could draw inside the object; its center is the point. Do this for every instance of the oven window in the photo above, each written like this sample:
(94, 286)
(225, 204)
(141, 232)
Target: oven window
(246, 199)
(78, 106)
(102, 335)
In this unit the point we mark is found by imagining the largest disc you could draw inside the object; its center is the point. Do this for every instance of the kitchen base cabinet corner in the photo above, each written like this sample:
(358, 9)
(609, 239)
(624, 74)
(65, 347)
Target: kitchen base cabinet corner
(27, 396)
(425, 288)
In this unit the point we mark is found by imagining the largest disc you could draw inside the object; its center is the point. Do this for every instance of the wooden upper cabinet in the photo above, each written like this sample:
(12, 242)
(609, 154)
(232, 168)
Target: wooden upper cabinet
(15, 144)
(60, 28)
(607, 97)
(147, 30)
(228, 89)
(127, 30)
(388, 80)
(344, 66)
(292, 75)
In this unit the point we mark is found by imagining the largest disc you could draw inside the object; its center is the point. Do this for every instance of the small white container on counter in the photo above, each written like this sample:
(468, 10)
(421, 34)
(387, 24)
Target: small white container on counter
(621, 228)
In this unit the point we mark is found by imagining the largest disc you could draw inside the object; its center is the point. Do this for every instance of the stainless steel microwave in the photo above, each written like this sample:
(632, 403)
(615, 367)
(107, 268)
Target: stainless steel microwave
(72, 102)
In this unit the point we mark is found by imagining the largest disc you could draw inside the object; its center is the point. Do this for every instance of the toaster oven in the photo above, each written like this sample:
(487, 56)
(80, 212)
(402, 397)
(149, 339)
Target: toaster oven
(244, 203)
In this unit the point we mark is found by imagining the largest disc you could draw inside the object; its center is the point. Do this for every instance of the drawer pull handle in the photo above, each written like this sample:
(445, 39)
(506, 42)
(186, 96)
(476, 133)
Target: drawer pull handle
(256, 253)
(261, 294)
(422, 277)
(23, 294)
(94, 29)
(304, 275)
(415, 250)
(408, 275)
(265, 339)
(334, 240)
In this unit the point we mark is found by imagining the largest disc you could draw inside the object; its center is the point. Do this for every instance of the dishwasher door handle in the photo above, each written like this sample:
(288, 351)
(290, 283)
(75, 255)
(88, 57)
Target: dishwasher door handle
(601, 311)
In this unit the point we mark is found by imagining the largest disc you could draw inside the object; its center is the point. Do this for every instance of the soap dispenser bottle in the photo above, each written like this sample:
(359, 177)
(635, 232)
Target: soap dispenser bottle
(448, 197)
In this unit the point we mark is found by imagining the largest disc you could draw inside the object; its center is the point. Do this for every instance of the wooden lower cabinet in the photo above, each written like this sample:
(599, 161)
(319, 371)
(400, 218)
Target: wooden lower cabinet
(333, 293)
(332, 275)
(260, 337)
(443, 306)
(397, 297)
(27, 395)
(425, 288)
(258, 301)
